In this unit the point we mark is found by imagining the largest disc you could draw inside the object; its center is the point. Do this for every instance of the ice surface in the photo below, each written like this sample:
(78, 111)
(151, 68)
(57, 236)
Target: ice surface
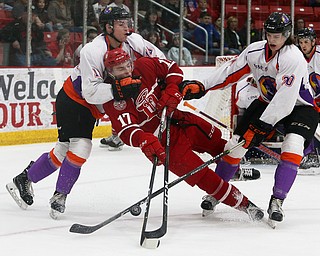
(112, 181)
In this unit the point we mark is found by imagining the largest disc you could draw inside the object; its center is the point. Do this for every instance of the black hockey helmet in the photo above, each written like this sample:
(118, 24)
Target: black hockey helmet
(109, 14)
(278, 22)
(307, 33)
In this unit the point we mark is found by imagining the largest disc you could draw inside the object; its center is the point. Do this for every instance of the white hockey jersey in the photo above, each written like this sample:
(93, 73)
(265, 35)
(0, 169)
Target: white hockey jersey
(88, 77)
(282, 80)
(245, 94)
(314, 71)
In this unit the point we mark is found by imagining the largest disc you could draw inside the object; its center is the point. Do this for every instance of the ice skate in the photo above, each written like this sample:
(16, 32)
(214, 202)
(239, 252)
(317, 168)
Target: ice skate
(23, 185)
(57, 204)
(208, 205)
(310, 165)
(244, 174)
(275, 211)
(255, 213)
(113, 143)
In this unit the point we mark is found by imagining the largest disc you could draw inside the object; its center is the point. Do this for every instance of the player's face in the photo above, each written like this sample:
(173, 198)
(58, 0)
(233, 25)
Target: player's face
(275, 41)
(122, 70)
(121, 28)
(305, 45)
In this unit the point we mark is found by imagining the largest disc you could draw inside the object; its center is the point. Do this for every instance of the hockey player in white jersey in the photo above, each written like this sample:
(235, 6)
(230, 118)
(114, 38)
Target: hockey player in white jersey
(285, 96)
(310, 164)
(78, 105)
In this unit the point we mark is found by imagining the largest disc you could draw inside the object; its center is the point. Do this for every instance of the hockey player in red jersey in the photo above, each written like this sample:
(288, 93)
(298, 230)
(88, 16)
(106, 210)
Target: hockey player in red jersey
(285, 97)
(78, 105)
(137, 119)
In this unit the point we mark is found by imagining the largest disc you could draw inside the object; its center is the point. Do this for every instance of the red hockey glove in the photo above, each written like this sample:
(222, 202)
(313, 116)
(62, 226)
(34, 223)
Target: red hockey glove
(257, 132)
(170, 98)
(192, 89)
(151, 147)
(126, 88)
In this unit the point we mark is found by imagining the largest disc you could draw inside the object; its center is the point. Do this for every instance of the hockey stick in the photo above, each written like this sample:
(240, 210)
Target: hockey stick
(150, 239)
(261, 147)
(83, 229)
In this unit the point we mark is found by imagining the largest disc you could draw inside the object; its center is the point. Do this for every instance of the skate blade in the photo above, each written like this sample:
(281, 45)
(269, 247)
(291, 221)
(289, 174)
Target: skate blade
(271, 223)
(206, 213)
(11, 187)
(150, 243)
(309, 172)
(115, 149)
(54, 214)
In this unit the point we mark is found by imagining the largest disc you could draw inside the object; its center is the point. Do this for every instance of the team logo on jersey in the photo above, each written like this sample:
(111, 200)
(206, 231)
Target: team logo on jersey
(268, 86)
(314, 80)
(146, 102)
(120, 105)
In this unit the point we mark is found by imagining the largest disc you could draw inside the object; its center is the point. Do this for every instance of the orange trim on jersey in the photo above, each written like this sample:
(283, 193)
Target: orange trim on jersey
(291, 157)
(69, 89)
(231, 160)
(74, 159)
(54, 159)
(233, 78)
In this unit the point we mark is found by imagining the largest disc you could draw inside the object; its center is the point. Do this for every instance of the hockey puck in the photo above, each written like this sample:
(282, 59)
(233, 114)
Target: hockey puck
(135, 210)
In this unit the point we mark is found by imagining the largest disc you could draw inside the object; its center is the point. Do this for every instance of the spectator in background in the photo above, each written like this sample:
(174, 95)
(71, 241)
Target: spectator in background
(149, 24)
(77, 15)
(60, 14)
(99, 6)
(40, 9)
(5, 6)
(299, 25)
(213, 35)
(173, 53)
(255, 34)
(168, 19)
(191, 6)
(203, 6)
(119, 3)
(62, 49)
(15, 34)
(19, 8)
(154, 38)
(232, 38)
(91, 34)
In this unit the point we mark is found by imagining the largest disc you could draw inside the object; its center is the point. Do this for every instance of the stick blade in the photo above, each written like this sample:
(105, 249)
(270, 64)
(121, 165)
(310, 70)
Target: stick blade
(150, 243)
(81, 229)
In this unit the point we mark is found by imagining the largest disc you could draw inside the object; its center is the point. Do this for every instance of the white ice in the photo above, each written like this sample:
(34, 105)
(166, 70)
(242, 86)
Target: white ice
(112, 181)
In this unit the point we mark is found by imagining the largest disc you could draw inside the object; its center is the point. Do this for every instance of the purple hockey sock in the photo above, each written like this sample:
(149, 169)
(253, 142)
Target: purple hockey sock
(309, 149)
(226, 170)
(41, 168)
(285, 175)
(68, 175)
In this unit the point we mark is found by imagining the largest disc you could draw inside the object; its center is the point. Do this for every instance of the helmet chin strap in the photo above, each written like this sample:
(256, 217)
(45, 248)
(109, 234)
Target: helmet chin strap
(112, 35)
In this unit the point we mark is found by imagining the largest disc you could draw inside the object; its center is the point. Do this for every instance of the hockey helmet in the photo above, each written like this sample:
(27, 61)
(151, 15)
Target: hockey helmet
(109, 14)
(307, 33)
(278, 22)
(115, 57)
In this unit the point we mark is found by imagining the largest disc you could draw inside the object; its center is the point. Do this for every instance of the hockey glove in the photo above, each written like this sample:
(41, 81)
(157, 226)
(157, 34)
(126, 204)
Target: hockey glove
(192, 89)
(257, 132)
(151, 147)
(126, 88)
(170, 98)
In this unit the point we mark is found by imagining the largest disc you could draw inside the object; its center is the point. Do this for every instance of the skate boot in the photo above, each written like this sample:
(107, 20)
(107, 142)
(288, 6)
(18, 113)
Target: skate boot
(244, 174)
(113, 143)
(58, 204)
(275, 209)
(309, 165)
(255, 213)
(208, 205)
(24, 186)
